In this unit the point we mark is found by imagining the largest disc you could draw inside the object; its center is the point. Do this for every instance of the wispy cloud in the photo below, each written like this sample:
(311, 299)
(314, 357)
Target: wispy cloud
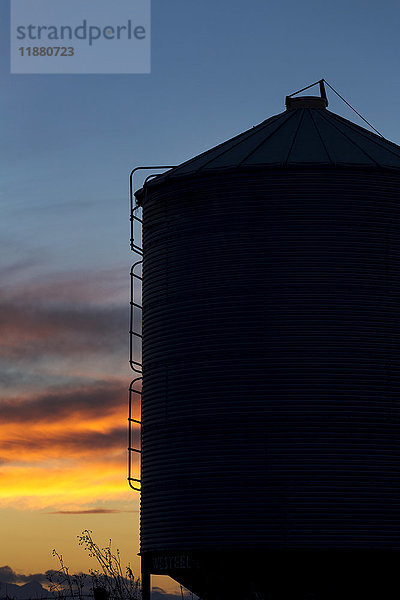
(89, 401)
(32, 332)
(64, 377)
(158, 593)
(92, 511)
(64, 328)
(66, 446)
(25, 282)
(64, 483)
(8, 575)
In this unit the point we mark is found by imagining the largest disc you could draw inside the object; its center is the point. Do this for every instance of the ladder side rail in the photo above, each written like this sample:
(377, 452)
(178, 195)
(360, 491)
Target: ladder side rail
(135, 395)
(135, 321)
(137, 218)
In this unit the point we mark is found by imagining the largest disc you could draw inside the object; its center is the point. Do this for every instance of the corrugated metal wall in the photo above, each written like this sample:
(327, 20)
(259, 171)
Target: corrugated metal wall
(271, 361)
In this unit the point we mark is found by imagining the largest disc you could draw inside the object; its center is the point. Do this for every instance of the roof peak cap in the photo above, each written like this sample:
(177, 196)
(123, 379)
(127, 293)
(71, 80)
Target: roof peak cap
(320, 101)
(305, 102)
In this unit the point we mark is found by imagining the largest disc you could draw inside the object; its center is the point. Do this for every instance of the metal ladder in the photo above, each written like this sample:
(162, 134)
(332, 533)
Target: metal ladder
(135, 357)
(135, 334)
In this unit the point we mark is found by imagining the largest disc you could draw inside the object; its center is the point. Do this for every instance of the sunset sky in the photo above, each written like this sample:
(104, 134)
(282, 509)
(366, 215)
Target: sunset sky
(68, 144)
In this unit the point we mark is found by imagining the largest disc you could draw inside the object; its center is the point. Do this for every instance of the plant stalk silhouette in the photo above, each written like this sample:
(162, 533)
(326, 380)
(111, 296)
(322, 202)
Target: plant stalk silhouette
(107, 581)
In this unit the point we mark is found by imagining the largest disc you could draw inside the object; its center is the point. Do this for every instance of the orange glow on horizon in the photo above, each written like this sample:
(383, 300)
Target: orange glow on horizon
(63, 419)
(64, 459)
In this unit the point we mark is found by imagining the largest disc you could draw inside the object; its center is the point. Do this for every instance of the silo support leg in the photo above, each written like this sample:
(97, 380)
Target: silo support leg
(146, 589)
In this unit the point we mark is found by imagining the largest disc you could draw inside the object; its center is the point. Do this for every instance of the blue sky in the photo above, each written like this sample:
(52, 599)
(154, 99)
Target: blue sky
(68, 144)
(69, 141)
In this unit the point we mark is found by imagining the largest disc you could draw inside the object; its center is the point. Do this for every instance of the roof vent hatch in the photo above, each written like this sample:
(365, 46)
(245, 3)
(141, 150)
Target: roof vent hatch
(308, 101)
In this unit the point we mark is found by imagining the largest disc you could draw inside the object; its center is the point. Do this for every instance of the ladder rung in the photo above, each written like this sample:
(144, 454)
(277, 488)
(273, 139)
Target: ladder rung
(137, 305)
(139, 335)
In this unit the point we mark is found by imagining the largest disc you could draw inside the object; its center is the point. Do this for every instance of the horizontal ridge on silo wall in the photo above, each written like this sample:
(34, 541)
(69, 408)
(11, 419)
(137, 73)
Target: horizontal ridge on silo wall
(270, 359)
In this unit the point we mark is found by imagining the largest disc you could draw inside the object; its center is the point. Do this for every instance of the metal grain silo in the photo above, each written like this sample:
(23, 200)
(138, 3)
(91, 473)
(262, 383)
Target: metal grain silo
(270, 413)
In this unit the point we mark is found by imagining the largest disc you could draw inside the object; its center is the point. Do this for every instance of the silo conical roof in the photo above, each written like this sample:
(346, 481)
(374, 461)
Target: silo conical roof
(305, 134)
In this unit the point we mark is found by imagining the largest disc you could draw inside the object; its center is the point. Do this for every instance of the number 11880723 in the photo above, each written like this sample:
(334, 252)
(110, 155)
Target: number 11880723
(46, 51)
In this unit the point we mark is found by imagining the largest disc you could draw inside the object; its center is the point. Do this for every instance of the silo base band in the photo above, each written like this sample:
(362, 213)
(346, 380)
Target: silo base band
(277, 574)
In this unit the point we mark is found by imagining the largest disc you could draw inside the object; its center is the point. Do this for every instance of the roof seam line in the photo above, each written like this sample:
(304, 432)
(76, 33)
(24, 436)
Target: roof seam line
(267, 138)
(256, 128)
(321, 138)
(352, 141)
(356, 128)
(285, 162)
(202, 154)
